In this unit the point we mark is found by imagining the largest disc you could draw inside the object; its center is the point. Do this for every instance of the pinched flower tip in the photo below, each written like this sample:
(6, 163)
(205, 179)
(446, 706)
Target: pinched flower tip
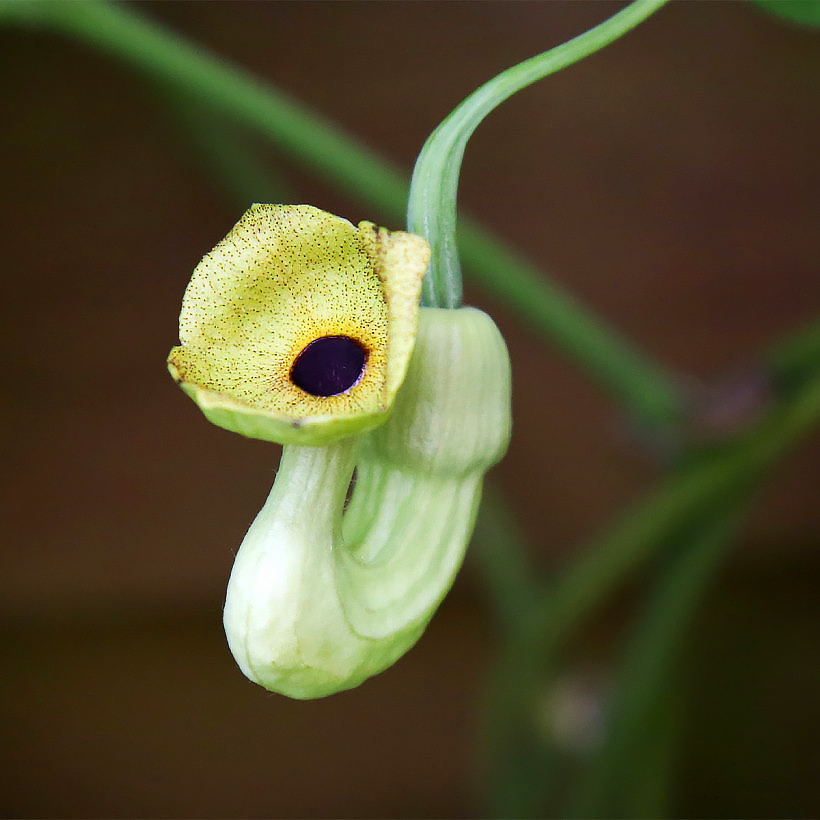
(298, 327)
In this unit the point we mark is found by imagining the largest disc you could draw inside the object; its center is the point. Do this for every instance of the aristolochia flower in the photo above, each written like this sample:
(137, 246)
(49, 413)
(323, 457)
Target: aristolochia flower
(298, 327)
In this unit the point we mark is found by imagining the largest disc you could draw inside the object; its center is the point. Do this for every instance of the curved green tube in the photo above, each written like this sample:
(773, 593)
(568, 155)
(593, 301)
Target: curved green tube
(321, 598)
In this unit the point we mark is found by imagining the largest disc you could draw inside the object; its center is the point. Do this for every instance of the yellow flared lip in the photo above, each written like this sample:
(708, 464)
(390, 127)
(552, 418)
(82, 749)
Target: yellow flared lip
(283, 277)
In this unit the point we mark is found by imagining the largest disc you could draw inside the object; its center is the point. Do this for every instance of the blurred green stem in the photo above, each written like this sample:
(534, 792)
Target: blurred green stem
(792, 359)
(636, 725)
(638, 383)
(704, 486)
(498, 549)
(645, 389)
(225, 155)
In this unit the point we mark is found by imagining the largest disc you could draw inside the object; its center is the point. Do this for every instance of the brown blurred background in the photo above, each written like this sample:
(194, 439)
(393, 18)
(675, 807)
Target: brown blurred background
(672, 182)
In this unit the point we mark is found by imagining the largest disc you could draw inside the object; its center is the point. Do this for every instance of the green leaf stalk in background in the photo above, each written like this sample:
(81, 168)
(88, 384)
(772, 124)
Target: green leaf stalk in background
(802, 12)
(642, 386)
(226, 155)
(707, 485)
(688, 519)
(636, 720)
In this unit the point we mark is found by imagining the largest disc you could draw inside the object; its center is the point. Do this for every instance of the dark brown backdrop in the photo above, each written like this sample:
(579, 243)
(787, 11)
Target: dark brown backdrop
(671, 182)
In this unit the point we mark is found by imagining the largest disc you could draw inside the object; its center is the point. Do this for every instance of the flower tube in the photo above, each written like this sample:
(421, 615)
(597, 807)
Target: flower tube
(322, 597)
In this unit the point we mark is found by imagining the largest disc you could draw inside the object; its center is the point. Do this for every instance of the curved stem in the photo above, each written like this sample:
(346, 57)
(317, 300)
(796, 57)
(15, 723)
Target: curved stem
(431, 210)
(308, 611)
(654, 395)
(639, 383)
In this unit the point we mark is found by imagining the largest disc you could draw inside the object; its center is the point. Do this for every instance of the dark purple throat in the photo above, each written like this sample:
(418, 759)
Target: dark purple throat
(329, 365)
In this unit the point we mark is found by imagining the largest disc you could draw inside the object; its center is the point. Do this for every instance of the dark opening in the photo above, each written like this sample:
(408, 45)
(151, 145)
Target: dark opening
(329, 365)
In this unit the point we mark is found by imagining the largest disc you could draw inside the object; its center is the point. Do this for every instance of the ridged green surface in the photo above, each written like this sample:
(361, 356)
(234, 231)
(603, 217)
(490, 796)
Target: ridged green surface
(319, 601)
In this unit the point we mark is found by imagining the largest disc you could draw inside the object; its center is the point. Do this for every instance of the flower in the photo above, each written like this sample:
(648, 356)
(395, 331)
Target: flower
(298, 326)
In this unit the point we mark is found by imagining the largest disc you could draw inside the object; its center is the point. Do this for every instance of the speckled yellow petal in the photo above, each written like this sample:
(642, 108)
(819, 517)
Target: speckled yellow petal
(285, 277)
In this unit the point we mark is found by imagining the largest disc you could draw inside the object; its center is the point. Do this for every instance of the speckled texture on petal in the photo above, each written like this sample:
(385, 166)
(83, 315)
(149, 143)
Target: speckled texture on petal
(283, 277)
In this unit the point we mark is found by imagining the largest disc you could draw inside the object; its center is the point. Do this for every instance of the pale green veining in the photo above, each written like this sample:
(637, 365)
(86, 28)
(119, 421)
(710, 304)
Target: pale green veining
(319, 600)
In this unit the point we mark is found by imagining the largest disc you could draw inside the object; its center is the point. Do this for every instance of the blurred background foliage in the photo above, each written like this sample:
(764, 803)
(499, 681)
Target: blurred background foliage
(605, 652)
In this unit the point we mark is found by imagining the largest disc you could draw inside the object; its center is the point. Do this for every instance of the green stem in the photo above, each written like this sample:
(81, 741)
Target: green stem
(650, 392)
(431, 210)
(791, 360)
(699, 486)
(703, 487)
(614, 783)
(642, 386)
(226, 156)
(169, 59)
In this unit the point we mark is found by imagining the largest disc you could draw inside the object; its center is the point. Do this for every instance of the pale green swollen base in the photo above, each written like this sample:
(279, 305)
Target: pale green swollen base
(320, 599)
